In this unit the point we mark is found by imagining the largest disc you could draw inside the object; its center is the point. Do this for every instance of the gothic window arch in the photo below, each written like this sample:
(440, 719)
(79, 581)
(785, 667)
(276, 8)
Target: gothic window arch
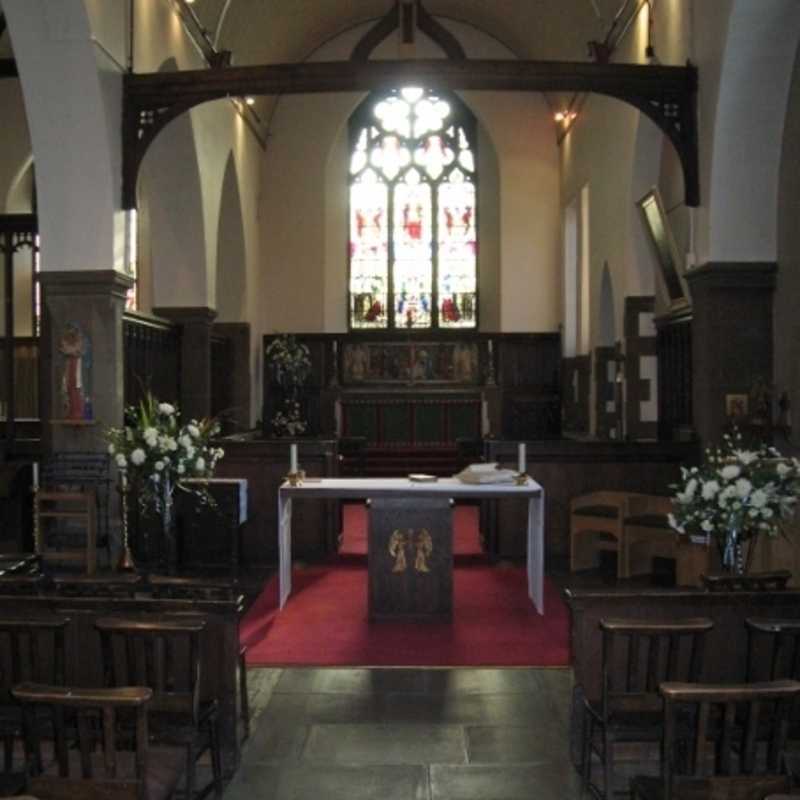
(413, 217)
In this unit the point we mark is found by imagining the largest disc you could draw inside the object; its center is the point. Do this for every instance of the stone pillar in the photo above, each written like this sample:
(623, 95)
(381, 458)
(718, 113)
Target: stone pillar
(731, 337)
(81, 357)
(196, 325)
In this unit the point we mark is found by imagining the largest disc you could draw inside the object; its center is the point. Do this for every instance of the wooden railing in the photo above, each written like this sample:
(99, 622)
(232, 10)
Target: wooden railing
(151, 352)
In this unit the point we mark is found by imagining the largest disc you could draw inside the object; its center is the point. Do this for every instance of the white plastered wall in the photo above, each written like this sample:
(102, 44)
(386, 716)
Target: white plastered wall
(305, 202)
(183, 230)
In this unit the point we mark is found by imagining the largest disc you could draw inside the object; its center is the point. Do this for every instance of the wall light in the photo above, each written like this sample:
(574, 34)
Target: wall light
(250, 100)
(564, 117)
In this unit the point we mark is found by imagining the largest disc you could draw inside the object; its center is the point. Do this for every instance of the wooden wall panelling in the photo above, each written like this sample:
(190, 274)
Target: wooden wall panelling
(566, 469)
(152, 362)
(641, 374)
(674, 352)
(575, 388)
(264, 463)
(230, 376)
(605, 368)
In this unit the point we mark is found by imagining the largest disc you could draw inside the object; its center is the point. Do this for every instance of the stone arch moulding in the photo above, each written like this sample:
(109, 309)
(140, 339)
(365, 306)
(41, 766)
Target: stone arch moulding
(668, 95)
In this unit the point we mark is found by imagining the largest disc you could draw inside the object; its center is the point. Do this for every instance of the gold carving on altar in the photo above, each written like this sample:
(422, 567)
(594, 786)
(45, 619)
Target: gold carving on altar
(397, 550)
(422, 543)
(424, 547)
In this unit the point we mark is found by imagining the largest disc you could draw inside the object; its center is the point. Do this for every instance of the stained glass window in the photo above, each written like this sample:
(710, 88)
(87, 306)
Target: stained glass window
(413, 231)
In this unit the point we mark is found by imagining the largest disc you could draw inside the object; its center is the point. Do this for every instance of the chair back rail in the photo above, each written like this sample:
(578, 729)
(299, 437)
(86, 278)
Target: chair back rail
(639, 654)
(162, 654)
(782, 640)
(729, 721)
(772, 581)
(31, 649)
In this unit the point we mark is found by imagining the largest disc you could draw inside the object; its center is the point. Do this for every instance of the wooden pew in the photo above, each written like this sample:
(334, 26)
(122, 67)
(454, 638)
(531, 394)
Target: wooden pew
(726, 653)
(219, 649)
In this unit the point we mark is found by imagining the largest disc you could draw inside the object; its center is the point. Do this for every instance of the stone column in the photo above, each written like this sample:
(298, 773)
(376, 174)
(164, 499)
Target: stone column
(731, 337)
(196, 324)
(81, 357)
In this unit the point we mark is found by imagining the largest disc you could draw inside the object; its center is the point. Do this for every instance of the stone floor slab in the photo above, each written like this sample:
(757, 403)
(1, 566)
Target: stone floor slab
(507, 782)
(386, 744)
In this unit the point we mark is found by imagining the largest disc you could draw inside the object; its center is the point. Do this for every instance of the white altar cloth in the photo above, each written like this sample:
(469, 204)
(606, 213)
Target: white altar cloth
(363, 488)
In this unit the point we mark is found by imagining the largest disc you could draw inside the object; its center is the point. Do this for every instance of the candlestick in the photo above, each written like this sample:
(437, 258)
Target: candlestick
(521, 458)
(293, 458)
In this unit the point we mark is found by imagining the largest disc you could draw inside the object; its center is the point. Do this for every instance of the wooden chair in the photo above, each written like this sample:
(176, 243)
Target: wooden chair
(188, 588)
(717, 755)
(88, 759)
(773, 581)
(30, 650)
(596, 523)
(637, 656)
(164, 655)
(71, 509)
(646, 533)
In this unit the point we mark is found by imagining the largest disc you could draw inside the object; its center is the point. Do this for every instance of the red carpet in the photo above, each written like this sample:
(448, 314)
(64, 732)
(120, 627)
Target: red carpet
(325, 621)
(466, 539)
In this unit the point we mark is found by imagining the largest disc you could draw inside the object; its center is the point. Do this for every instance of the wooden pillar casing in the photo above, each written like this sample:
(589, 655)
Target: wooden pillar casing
(731, 337)
(196, 327)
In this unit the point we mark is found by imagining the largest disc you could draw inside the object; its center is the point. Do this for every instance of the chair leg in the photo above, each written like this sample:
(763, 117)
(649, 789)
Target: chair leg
(586, 755)
(216, 756)
(191, 766)
(8, 751)
(608, 766)
(243, 696)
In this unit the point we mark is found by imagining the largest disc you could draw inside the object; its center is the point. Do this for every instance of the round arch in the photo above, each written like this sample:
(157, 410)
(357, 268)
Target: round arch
(748, 130)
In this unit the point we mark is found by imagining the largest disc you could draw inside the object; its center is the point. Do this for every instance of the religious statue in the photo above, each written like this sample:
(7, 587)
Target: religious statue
(75, 349)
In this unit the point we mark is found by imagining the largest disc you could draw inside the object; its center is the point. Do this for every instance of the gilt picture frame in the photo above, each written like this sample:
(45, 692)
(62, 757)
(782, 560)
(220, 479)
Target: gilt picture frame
(665, 247)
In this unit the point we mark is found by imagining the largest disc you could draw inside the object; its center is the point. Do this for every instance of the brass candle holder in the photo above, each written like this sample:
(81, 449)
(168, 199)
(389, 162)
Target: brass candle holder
(521, 478)
(126, 562)
(37, 523)
(296, 478)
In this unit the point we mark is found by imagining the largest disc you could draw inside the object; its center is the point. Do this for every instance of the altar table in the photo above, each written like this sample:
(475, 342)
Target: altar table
(365, 488)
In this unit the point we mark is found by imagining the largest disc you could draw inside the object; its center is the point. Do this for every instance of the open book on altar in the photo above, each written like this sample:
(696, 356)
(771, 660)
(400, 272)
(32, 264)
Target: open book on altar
(485, 473)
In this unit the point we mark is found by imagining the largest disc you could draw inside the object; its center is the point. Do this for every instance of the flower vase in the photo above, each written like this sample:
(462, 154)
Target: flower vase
(733, 561)
(169, 541)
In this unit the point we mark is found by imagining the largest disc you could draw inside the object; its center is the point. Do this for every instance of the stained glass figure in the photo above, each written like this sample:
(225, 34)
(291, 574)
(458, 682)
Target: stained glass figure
(413, 235)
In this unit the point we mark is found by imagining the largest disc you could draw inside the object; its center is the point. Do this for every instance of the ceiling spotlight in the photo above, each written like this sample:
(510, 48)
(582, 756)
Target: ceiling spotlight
(250, 100)
(565, 117)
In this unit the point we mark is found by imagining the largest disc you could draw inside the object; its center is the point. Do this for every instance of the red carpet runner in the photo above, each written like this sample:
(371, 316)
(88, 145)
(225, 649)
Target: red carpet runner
(325, 622)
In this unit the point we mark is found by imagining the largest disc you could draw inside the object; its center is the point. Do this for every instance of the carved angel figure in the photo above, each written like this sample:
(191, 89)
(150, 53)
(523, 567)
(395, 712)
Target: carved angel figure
(423, 545)
(397, 550)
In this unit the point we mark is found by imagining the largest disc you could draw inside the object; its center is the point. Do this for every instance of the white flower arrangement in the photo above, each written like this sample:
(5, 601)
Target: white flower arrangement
(289, 362)
(157, 453)
(736, 489)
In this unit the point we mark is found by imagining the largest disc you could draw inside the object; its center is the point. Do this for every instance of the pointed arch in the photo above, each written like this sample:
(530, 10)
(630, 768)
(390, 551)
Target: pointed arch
(231, 283)
(178, 263)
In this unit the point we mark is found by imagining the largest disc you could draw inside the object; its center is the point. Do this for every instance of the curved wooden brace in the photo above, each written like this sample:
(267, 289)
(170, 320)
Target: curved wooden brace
(435, 30)
(383, 28)
(668, 95)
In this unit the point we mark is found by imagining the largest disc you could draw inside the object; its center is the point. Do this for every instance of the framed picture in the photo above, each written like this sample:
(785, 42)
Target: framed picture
(666, 250)
(736, 406)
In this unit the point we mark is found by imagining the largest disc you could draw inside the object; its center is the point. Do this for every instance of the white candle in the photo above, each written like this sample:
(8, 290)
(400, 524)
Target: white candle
(521, 459)
(123, 477)
(35, 474)
(293, 458)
